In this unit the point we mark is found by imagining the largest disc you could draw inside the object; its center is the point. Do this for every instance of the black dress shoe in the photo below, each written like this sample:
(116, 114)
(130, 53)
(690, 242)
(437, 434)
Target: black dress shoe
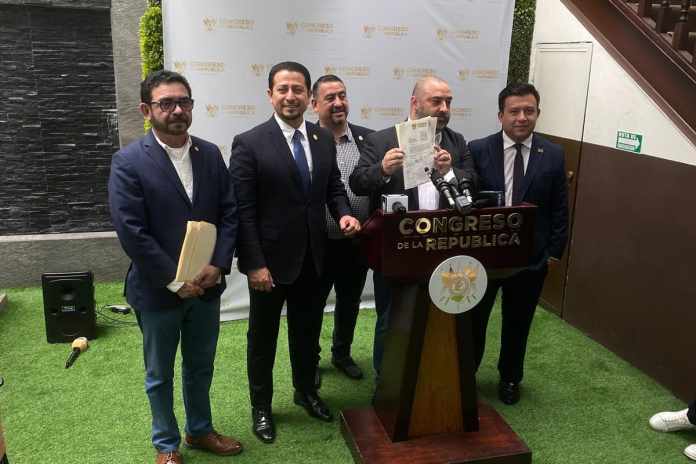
(262, 424)
(314, 406)
(348, 367)
(317, 379)
(509, 392)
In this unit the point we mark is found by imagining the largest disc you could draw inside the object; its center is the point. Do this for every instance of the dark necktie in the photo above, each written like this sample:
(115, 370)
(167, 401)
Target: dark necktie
(301, 161)
(517, 175)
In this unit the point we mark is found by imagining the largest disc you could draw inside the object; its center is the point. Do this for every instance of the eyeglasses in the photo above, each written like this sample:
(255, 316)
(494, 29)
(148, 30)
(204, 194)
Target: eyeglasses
(169, 104)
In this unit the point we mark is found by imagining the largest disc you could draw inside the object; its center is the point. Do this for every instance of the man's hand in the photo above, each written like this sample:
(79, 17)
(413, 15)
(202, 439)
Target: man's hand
(208, 277)
(393, 160)
(190, 290)
(442, 160)
(260, 280)
(349, 225)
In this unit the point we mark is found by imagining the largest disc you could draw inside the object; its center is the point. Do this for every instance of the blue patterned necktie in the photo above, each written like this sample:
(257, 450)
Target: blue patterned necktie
(301, 161)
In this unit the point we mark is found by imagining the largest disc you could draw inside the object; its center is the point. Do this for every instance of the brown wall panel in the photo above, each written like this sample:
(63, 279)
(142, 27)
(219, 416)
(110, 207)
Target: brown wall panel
(554, 286)
(632, 273)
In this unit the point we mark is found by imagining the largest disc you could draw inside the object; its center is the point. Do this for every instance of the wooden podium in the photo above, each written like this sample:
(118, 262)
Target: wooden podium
(425, 408)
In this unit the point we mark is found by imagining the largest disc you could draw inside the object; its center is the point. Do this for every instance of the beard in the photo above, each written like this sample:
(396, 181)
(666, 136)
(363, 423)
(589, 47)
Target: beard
(172, 125)
(442, 118)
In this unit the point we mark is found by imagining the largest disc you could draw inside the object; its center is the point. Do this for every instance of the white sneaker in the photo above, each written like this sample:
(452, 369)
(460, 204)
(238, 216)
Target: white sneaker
(690, 452)
(671, 421)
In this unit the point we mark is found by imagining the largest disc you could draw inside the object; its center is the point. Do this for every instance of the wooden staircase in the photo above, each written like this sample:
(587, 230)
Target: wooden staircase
(655, 42)
(674, 20)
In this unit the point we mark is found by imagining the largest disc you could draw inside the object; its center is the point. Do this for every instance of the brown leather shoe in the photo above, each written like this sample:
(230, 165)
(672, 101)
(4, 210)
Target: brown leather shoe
(214, 443)
(173, 457)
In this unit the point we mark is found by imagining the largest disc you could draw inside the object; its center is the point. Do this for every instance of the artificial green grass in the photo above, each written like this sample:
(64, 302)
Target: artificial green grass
(580, 403)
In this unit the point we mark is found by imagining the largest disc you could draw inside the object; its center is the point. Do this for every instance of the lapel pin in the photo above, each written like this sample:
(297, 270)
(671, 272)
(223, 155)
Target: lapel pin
(195, 148)
(314, 136)
(360, 137)
(540, 150)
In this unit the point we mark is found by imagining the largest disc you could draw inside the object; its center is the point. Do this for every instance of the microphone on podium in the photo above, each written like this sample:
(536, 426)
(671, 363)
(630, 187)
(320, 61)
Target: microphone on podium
(78, 346)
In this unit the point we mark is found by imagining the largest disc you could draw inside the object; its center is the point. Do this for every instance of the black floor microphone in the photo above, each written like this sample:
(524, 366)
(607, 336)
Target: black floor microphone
(78, 346)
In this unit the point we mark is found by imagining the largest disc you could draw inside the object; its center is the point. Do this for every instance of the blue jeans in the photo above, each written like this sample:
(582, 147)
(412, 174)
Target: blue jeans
(197, 324)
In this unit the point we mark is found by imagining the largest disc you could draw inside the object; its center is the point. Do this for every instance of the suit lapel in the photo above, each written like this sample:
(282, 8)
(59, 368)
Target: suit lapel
(160, 157)
(535, 155)
(318, 155)
(197, 167)
(283, 150)
(498, 162)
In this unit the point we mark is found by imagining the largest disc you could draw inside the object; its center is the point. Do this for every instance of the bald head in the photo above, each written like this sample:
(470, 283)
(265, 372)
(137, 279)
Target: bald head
(431, 97)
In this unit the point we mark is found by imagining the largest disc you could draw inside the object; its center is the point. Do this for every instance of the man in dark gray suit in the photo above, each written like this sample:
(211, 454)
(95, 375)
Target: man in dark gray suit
(285, 174)
(379, 171)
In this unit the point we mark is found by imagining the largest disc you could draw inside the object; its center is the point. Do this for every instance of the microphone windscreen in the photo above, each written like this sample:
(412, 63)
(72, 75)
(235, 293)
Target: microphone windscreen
(80, 343)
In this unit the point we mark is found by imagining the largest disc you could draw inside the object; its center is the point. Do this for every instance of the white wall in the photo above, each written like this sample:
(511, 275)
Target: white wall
(615, 101)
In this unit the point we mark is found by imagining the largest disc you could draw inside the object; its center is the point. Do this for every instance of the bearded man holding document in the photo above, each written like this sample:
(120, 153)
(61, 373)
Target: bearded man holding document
(157, 185)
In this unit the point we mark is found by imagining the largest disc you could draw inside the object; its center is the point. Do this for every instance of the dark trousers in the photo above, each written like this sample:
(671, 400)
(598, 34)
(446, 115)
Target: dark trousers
(344, 270)
(691, 414)
(304, 326)
(383, 299)
(520, 297)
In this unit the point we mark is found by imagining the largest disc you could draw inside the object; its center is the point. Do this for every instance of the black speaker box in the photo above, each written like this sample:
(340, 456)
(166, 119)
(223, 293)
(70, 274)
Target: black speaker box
(69, 306)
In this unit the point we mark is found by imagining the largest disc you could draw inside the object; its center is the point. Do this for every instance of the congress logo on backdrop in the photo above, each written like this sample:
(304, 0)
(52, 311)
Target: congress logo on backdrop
(412, 73)
(212, 110)
(461, 112)
(348, 71)
(457, 34)
(180, 67)
(398, 72)
(486, 74)
(463, 74)
(209, 24)
(208, 66)
(457, 284)
(239, 110)
(309, 27)
(397, 31)
(368, 31)
(259, 69)
(382, 111)
(239, 24)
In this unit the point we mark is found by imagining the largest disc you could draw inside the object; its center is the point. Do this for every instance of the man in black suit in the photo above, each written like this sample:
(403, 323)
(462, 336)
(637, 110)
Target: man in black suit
(528, 168)
(345, 268)
(285, 174)
(379, 171)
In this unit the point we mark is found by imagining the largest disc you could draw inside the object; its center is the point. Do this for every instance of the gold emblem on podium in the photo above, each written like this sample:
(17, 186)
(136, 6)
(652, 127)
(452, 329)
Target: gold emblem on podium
(458, 284)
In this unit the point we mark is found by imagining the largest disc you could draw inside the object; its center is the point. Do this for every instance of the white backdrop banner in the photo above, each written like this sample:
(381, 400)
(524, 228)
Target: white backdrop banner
(379, 49)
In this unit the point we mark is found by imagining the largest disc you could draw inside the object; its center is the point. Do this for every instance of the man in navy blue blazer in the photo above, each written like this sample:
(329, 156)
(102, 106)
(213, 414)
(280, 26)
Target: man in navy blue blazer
(285, 175)
(157, 184)
(528, 168)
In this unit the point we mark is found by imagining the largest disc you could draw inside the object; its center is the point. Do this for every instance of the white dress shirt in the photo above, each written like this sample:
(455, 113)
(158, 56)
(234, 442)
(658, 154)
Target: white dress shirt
(509, 153)
(289, 131)
(181, 159)
(428, 195)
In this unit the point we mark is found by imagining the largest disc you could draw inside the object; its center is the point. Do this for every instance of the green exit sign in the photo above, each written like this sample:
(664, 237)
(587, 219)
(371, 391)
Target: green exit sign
(628, 141)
